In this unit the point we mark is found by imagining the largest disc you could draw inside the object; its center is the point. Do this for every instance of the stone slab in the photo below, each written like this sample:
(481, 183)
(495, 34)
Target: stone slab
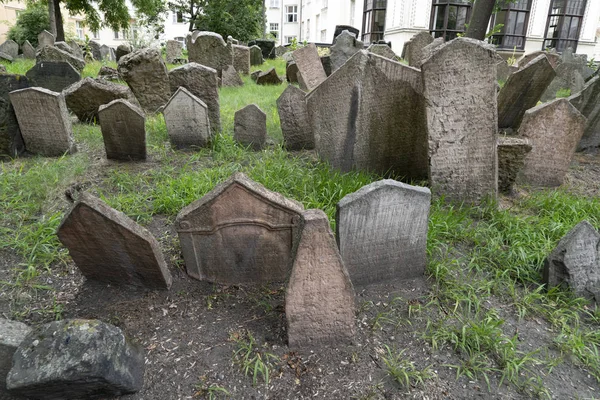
(309, 66)
(123, 130)
(295, 125)
(511, 159)
(11, 140)
(12, 334)
(186, 118)
(209, 49)
(53, 75)
(250, 127)
(344, 47)
(587, 102)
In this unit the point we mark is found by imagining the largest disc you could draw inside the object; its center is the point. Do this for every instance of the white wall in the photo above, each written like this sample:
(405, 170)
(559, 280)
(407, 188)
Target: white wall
(404, 19)
(320, 17)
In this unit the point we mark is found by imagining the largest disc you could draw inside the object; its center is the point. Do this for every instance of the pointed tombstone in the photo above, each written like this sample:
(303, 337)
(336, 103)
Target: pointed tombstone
(45, 38)
(186, 117)
(250, 127)
(429, 50)
(53, 75)
(11, 140)
(44, 121)
(511, 159)
(269, 77)
(587, 102)
(256, 57)
(522, 91)
(76, 49)
(241, 59)
(28, 50)
(239, 233)
(309, 67)
(108, 246)
(344, 47)
(230, 77)
(209, 48)
(462, 120)
(554, 129)
(295, 124)
(123, 131)
(383, 50)
(10, 47)
(575, 262)
(319, 299)
(412, 52)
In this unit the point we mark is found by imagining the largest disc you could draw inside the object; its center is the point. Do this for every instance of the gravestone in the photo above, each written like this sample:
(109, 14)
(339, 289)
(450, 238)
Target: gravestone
(209, 49)
(53, 75)
(45, 38)
(76, 49)
(65, 47)
(10, 47)
(554, 129)
(587, 102)
(250, 127)
(108, 73)
(239, 233)
(202, 82)
(49, 53)
(522, 91)
(95, 49)
(412, 52)
(553, 58)
(503, 69)
(460, 91)
(256, 57)
(511, 159)
(382, 232)
(123, 130)
(269, 77)
(291, 73)
(383, 50)
(122, 50)
(295, 124)
(230, 77)
(255, 74)
(266, 47)
(146, 75)
(11, 140)
(186, 118)
(429, 50)
(105, 53)
(231, 40)
(574, 263)
(5, 57)
(370, 115)
(28, 50)
(569, 74)
(319, 298)
(241, 59)
(49, 133)
(344, 47)
(341, 28)
(326, 62)
(12, 334)
(174, 51)
(309, 67)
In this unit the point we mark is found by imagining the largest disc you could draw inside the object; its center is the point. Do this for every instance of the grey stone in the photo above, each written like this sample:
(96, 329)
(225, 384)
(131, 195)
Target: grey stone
(209, 49)
(53, 75)
(45, 38)
(269, 77)
(201, 81)
(341, 28)
(49, 53)
(28, 50)
(309, 67)
(230, 77)
(11, 140)
(511, 158)
(174, 51)
(587, 102)
(239, 233)
(382, 232)
(266, 47)
(255, 74)
(553, 58)
(288, 57)
(412, 52)
(186, 117)
(95, 49)
(344, 47)
(429, 50)
(570, 73)
(12, 334)
(65, 47)
(76, 359)
(108, 73)
(76, 49)
(44, 121)
(326, 62)
(383, 50)
(281, 50)
(554, 129)
(256, 57)
(250, 127)
(146, 75)
(460, 92)
(291, 73)
(105, 53)
(10, 47)
(319, 298)
(370, 115)
(123, 130)
(503, 69)
(231, 40)
(123, 50)
(5, 57)
(241, 59)
(295, 124)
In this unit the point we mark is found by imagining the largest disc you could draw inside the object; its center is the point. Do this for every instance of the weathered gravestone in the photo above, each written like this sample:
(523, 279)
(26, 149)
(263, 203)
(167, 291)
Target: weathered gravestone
(108, 246)
(554, 129)
(95, 50)
(256, 57)
(53, 75)
(587, 102)
(174, 51)
(370, 115)
(123, 130)
(45, 38)
(553, 58)
(570, 73)
(345, 46)
(76, 50)
(123, 50)
(382, 232)
(105, 53)
(511, 159)
(11, 140)
(522, 91)
(266, 47)
(309, 66)
(241, 59)
(412, 52)
(254, 75)
(319, 299)
(429, 50)
(291, 72)
(460, 90)
(209, 49)
(5, 57)
(575, 262)
(250, 127)
(28, 50)
(12, 334)
(146, 74)
(341, 28)
(76, 359)
(326, 62)
(239, 233)
(108, 73)
(202, 82)
(49, 53)
(295, 124)
(10, 47)
(66, 47)
(383, 50)
(503, 70)
(44, 121)
(230, 77)
(186, 117)
(269, 77)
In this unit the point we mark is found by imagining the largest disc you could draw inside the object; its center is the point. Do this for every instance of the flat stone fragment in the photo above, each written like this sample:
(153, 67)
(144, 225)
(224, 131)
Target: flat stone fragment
(45, 38)
(412, 52)
(554, 129)
(76, 50)
(12, 334)
(344, 47)
(239, 233)
(123, 130)
(255, 74)
(10, 47)
(65, 47)
(266, 47)
(50, 53)
(295, 124)
(256, 57)
(574, 263)
(382, 232)
(511, 158)
(230, 77)
(460, 91)
(250, 127)
(241, 59)
(174, 50)
(108, 246)
(108, 73)
(319, 299)
(5, 57)
(309, 67)
(53, 75)
(11, 140)
(49, 133)
(76, 359)
(587, 102)
(383, 50)
(209, 49)
(28, 50)
(186, 117)
(269, 77)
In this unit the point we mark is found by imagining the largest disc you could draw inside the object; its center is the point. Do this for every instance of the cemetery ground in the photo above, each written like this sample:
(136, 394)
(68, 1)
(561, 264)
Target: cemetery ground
(478, 325)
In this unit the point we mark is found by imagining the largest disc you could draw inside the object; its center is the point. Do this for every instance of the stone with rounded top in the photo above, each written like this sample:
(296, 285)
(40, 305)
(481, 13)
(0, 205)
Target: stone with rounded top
(123, 130)
(250, 127)
(344, 47)
(209, 48)
(295, 124)
(412, 52)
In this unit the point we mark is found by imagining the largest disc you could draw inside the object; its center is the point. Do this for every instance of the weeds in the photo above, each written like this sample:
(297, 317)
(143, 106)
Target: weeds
(404, 371)
(251, 358)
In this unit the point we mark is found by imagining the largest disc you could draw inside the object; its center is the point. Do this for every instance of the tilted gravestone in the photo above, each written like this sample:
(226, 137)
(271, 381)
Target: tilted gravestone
(76, 50)
(241, 59)
(10, 47)
(341, 28)
(66, 47)
(202, 82)
(587, 102)
(95, 50)
(553, 58)
(382, 231)
(11, 140)
(174, 51)
(291, 72)
(122, 50)
(266, 47)
(571, 72)
(53, 75)
(522, 91)
(186, 118)
(344, 47)
(554, 129)
(412, 52)
(12, 334)
(108, 246)
(230, 77)
(239, 233)
(575, 262)
(295, 124)
(256, 57)
(460, 92)
(44, 121)
(326, 62)
(49, 53)
(45, 38)
(123, 130)
(370, 115)
(28, 50)
(511, 159)
(383, 50)
(269, 77)
(250, 127)
(429, 50)
(209, 49)
(105, 53)
(309, 67)
(319, 298)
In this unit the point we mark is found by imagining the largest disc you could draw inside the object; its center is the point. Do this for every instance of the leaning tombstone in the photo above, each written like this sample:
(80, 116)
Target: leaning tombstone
(511, 159)
(239, 233)
(250, 127)
(49, 53)
(12, 334)
(186, 118)
(28, 50)
(256, 57)
(65, 47)
(587, 102)
(95, 50)
(174, 51)
(553, 58)
(49, 133)
(11, 140)
(412, 52)
(10, 47)
(291, 73)
(570, 73)
(341, 28)
(123, 130)
(326, 62)
(266, 47)
(53, 75)
(309, 66)
(295, 124)
(45, 38)
(383, 50)
(319, 298)
(241, 59)
(269, 77)
(106, 53)
(344, 47)
(209, 49)
(429, 50)
(122, 50)
(230, 77)
(76, 49)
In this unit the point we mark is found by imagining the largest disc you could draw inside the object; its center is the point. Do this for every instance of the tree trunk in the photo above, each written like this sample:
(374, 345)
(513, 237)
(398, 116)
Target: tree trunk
(480, 19)
(52, 17)
(60, 30)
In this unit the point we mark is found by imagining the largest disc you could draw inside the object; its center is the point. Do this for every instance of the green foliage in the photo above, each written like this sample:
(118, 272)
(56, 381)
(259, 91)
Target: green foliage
(242, 19)
(30, 22)
(404, 371)
(251, 358)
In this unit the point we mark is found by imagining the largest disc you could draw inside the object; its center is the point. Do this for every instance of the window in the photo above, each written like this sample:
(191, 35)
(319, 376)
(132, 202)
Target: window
(96, 34)
(564, 24)
(179, 39)
(324, 36)
(116, 33)
(448, 18)
(289, 39)
(323, 3)
(373, 20)
(514, 17)
(291, 13)
(274, 4)
(177, 17)
(79, 29)
(274, 29)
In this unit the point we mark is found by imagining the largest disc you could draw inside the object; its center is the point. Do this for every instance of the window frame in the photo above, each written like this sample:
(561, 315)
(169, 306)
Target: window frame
(448, 34)
(289, 39)
(80, 28)
(508, 9)
(274, 32)
(293, 14)
(561, 19)
(275, 4)
(370, 12)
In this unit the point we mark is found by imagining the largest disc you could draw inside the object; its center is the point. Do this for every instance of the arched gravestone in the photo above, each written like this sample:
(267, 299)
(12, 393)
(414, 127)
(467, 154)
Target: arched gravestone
(241, 59)
(123, 130)
(256, 57)
(45, 38)
(53, 75)
(209, 48)
(10, 47)
(186, 117)
(239, 233)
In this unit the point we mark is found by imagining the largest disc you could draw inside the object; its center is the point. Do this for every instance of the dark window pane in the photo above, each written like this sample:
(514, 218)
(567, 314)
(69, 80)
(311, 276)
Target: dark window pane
(379, 21)
(461, 18)
(574, 28)
(558, 7)
(576, 7)
(439, 18)
(452, 11)
(510, 24)
(520, 25)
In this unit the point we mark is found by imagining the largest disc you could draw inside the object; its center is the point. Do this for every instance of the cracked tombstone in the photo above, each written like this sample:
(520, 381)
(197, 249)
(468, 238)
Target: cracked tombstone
(309, 67)
(295, 124)
(123, 131)
(186, 118)
(412, 52)
(53, 75)
(344, 47)
(209, 49)
(250, 127)
(587, 102)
